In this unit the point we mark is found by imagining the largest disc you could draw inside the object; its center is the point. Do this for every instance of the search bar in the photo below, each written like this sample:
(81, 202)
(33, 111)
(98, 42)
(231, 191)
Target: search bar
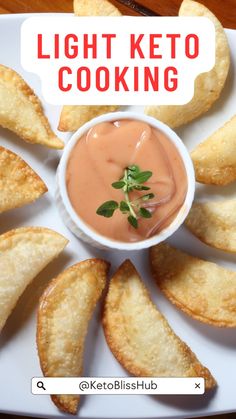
(117, 385)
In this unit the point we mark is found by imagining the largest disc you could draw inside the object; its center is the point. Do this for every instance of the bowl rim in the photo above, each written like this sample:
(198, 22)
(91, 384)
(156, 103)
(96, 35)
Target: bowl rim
(89, 231)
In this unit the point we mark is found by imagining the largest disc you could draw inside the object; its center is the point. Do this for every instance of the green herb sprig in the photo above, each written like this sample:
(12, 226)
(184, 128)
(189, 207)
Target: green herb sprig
(133, 179)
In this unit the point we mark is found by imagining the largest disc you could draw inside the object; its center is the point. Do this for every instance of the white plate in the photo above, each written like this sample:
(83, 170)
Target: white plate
(18, 355)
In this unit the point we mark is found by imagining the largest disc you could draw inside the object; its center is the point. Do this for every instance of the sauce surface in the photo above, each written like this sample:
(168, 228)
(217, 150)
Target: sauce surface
(99, 159)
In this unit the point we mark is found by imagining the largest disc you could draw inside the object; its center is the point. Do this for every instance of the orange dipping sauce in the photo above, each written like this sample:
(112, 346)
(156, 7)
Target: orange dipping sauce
(99, 159)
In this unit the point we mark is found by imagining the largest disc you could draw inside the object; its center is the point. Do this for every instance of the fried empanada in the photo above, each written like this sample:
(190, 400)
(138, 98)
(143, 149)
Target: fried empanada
(208, 86)
(140, 337)
(74, 116)
(19, 184)
(95, 8)
(215, 158)
(203, 290)
(214, 223)
(63, 316)
(24, 252)
(21, 111)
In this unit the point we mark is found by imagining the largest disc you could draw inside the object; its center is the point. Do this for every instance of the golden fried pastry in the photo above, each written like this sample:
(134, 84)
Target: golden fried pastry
(208, 86)
(21, 111)
(215, 158)
(19, 184)
(74, 116)
(63, 316)
(203, 290)
(214, 223)
(24, 252)
(140, 337)
(95, 8)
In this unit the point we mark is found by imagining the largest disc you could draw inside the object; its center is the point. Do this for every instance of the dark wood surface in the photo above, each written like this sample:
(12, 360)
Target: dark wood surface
(225, 10)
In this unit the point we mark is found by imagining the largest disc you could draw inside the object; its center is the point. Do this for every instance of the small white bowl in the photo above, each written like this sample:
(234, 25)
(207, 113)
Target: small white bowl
(83, 230)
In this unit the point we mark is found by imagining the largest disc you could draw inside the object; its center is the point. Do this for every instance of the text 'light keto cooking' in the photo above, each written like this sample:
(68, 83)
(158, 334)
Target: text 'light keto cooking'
(101, 60)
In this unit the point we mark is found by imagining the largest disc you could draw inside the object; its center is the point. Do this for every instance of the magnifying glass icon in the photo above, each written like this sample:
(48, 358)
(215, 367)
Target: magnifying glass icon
(41, 385)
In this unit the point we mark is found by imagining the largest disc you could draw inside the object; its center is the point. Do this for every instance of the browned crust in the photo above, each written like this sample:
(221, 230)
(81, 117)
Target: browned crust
(190, 313)
(74, 116)
(219, 176)
(63, 125)
(36, 186)
(24, 253)
(66, 403)
(10, 76)
(95, 8)
(214, 158)
(182, 307)
(201, 220)
(199, 369)
(111, 333)
(20, 230)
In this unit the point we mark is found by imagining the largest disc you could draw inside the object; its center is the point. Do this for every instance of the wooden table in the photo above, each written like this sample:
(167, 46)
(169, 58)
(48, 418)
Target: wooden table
(224, 10)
